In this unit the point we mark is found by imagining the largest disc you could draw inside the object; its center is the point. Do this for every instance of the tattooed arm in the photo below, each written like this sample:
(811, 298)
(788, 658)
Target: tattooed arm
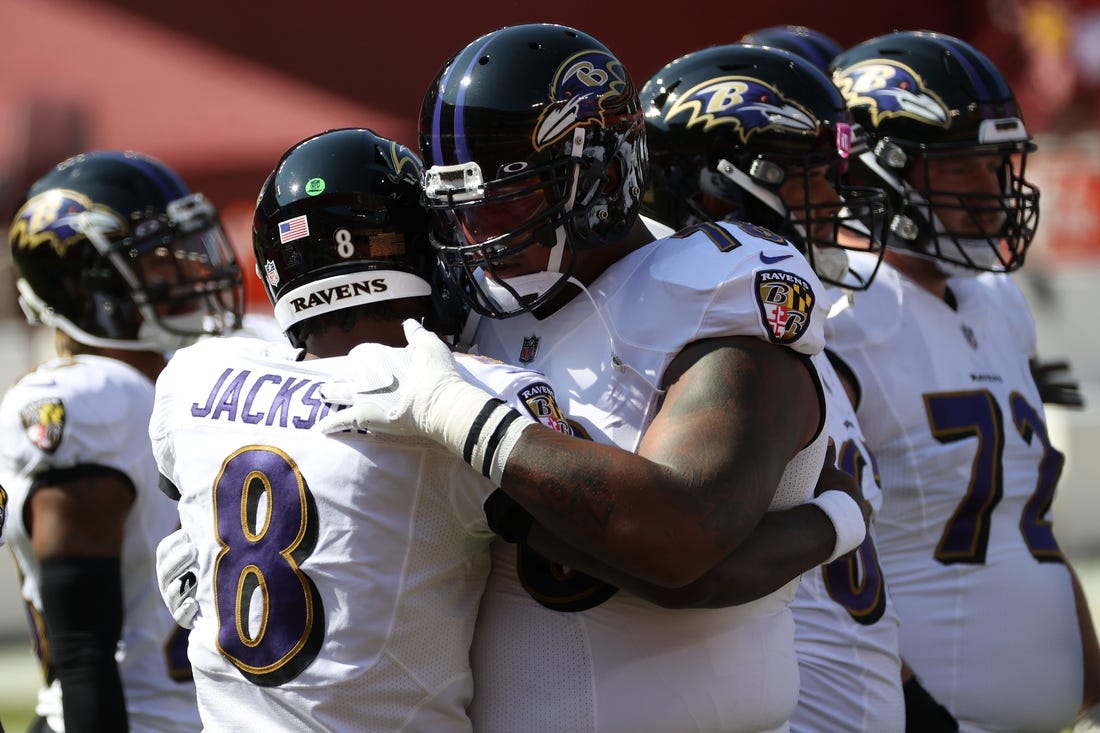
(784, 545)
(737, 410)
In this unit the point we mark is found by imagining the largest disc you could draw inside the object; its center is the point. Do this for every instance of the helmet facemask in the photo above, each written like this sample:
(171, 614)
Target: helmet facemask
(964, 231)
(801, 197)
(171, 280)
(480, 226)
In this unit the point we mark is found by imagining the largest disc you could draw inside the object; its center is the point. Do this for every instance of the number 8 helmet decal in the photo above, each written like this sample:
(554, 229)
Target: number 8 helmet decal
(338, 224)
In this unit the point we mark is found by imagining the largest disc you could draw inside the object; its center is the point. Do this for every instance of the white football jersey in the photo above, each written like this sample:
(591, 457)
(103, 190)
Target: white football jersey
(846, 626)
(558, 651)
(952, 415)
(338, 576)
(91, 410)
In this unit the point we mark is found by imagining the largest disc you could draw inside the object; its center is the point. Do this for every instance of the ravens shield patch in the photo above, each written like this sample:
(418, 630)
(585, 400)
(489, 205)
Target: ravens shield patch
(44, 421)
(786, 302)
(540, 402)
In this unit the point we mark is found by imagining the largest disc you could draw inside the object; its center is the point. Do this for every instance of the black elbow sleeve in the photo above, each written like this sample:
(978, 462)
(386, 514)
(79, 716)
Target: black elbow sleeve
(507, 518)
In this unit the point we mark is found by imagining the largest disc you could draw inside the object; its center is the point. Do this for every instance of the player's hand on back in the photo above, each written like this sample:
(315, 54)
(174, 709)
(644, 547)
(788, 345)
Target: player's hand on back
(1057, 386)
(833, 477)
(177, 576)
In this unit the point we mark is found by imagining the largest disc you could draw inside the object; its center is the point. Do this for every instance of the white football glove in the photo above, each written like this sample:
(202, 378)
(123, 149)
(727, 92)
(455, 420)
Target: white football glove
(426, 395)
(177, 576)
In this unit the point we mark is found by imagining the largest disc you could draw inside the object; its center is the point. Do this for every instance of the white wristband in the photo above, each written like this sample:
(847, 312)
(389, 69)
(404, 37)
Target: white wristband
(482, 430)
(847, 519)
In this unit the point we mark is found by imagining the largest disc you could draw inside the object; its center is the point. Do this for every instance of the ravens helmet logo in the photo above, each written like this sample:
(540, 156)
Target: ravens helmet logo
(59, 218)
(586, 88)
(891, 89)
(746, 103)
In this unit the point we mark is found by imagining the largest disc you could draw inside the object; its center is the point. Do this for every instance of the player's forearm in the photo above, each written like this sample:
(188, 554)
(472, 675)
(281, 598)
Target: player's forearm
(784, 545)
(82, 608)
(637, 516)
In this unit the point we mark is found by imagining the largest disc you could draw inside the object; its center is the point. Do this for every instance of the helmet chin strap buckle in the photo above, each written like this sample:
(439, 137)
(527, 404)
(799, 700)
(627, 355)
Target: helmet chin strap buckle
(904, 227)
(767, 172)
(890, 154)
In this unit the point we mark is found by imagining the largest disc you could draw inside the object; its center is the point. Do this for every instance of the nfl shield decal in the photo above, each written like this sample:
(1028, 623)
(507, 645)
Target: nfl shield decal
(786, 302)
(529, 349)
(272, 273)
(44, 421)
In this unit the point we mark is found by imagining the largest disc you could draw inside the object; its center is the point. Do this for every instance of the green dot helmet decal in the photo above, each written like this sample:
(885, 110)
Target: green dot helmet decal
(315, 186)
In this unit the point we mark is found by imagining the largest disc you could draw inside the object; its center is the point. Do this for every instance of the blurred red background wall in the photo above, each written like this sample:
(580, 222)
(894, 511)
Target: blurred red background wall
(219, 89)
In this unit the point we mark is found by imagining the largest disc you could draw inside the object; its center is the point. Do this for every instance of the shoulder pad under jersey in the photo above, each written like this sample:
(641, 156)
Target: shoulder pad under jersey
(869, 316)
(720, 279)
(1005, 295)
(70, 412)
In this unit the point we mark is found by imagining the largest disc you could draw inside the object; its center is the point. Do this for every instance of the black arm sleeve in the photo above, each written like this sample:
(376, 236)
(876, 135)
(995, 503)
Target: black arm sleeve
(923, 714)
(169, 488)
(507, 518)
(82, 608)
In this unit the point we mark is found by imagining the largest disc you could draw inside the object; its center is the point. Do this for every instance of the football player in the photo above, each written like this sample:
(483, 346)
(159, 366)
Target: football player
(993, 621)
(686, 360)
(335, 581)
(773, 155)
(126, 264)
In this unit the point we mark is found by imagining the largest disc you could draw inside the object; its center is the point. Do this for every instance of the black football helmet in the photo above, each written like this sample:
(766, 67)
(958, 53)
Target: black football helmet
(114, 250)
(925, 99)
(338, 224)
(532, 135)
(732, 128)
(814, 46)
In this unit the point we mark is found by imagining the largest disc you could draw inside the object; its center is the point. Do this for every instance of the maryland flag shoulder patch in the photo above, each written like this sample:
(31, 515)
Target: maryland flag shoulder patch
(786, 302)
(539, 400)
(44, 421)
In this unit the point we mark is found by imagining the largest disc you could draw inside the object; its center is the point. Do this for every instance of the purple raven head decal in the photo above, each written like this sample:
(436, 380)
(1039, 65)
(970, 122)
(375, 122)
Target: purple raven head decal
(586, 88)
(748, 104)
(890, 89)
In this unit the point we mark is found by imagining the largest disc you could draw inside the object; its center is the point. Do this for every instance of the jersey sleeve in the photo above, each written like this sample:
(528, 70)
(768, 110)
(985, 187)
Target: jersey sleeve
(3, 512)
(723, 279)
(75, 414)
(526, 391)
(159, 433)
